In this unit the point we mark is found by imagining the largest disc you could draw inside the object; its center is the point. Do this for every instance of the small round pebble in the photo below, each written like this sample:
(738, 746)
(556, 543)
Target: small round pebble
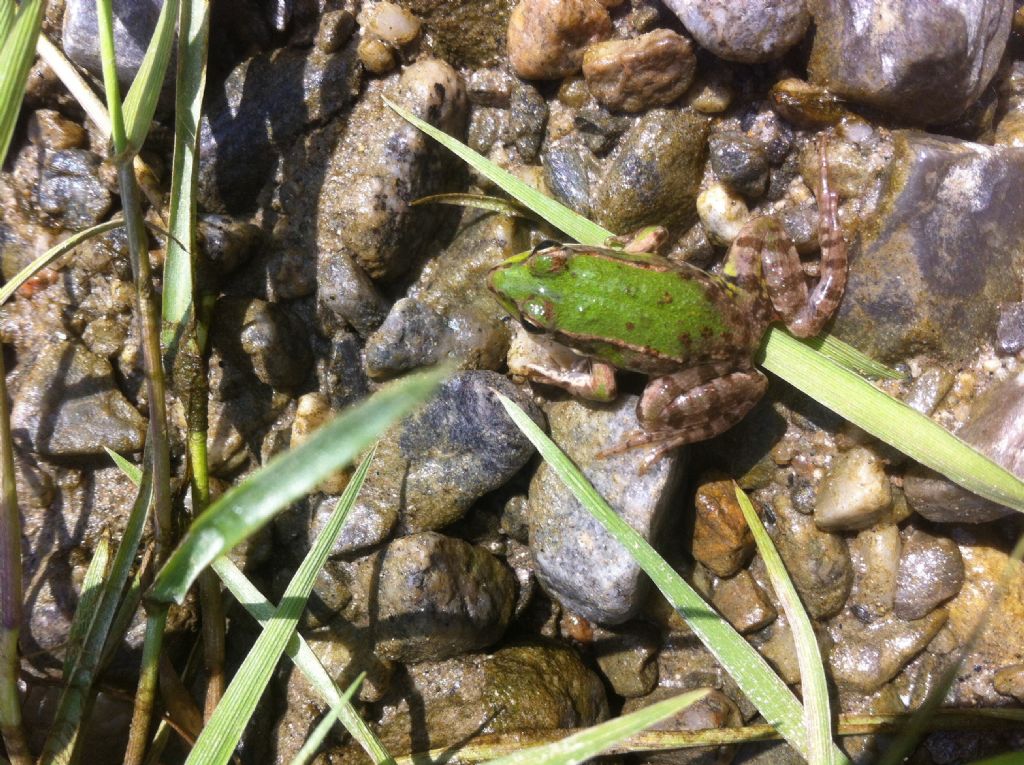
(647, 71)
(390, 22)
(1010, 330)
(376, 55)
(546, 38)
(740, 162)
(723, 212)
(854, 494)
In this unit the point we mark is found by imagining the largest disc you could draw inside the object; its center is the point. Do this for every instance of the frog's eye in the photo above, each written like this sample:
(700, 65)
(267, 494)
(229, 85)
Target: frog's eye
(548, 262)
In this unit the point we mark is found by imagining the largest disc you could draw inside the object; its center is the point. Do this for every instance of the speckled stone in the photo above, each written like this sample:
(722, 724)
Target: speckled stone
(546, 38)
(854, 493)
(578, 562)
(722, 541)
(931, 572)
(752, 31)
(637, 74)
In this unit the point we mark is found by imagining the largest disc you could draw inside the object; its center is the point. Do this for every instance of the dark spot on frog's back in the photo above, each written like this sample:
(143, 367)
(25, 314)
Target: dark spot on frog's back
(706, 332)
(685, 340)
(665, 299)
(630, 326)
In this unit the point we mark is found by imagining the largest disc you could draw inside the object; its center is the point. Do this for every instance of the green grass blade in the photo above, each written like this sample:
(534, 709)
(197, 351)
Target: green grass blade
(92, 586)
(17, 52)
(745, 665)
(6, 19)
(813, 685)
(134, 472)
(52, 254)
(244, 509)
(75, 83)
(849, 357)
(892, 421)
(261, 609)
(191, 84)
(316, 738)
(481, 202)
(558, 215)
(140, 103)
(592, 741)
(225, 726)
(1007, 758)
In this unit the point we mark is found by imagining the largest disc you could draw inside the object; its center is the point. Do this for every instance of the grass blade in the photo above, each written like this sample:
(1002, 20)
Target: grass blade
(558, 215)
(244, 509)
(813, 685)
(92, 586)
(481, 202)
(849, 357)
(74, 82)
(140, 103)
(746, 666)
(304, 659)
(316, 738)
(17, 52)
(225, 726)
(52, 254)
(592, 741)
(191, 84)
(889, 420)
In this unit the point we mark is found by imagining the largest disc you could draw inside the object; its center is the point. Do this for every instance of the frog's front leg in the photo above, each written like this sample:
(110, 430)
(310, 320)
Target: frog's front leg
(540, 359)
(693, 405)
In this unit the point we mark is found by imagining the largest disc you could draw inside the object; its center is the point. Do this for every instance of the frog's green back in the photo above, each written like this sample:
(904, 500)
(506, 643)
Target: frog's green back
(637, 312)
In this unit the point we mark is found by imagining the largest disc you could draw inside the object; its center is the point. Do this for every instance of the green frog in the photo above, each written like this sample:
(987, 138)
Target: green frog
(626, 307)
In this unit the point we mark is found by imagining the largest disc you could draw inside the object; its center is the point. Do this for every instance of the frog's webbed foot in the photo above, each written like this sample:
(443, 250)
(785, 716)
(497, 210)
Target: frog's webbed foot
(692, 405)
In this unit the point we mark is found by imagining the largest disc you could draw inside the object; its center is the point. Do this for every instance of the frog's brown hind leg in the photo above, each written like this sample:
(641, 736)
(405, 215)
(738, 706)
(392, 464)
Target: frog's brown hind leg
(692, 405)
(803, 314)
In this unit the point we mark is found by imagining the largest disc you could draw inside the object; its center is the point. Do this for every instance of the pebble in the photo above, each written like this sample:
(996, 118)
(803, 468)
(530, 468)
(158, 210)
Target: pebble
(389, 22)
(627, 658)
(866, 656)
(524, 687)
(818, 561)
(716, 710)
(941, 201)
(134, 22)
(381, 165)
(412, 335)
(50, 130)
(722, 541)
(1010, 329)
(1009, 681)
(376, 55)
(438, 597)
(633, 75)
(439, 461)
(855, 492)
(569, 170)
(578, 562)
(893, 62)
(528, 113)
(68, 405)
(65, 186)
(722, 212)
(750, 32)
(931, 571)
(928, 389)
(743, 603)
(546, 38)
(995, 426)
(265, 337)
(739, 162)
(875, 554)
(806, 105)
(654, 175)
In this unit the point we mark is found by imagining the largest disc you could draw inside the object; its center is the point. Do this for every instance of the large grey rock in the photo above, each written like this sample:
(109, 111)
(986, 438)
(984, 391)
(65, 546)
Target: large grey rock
(751, 31)
(68, 405)
(995, 426)
(929, 267)
(579, 562)
(924, 62)
(438, 597)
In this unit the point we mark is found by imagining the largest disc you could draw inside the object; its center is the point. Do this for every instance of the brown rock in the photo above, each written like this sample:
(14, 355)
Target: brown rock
(721, 539)
(546, 38)
(743, 603)
(633, 75)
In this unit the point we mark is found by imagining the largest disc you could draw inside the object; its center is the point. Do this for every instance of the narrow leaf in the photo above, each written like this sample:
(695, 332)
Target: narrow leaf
(244, 509)
(225, 726)
(561, 217)
(813, 685)
(592, 741)
(75, 83)
(316, 738)
(92, 586)
(140, 103)
(890, 420)
(17, 52)
(481, 202)
(133, 472)
(52, 254)
(745, 665)
(850, 358)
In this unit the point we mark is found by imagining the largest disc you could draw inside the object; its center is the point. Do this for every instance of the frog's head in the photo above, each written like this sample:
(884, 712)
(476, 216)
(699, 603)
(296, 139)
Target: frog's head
(524, 284)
